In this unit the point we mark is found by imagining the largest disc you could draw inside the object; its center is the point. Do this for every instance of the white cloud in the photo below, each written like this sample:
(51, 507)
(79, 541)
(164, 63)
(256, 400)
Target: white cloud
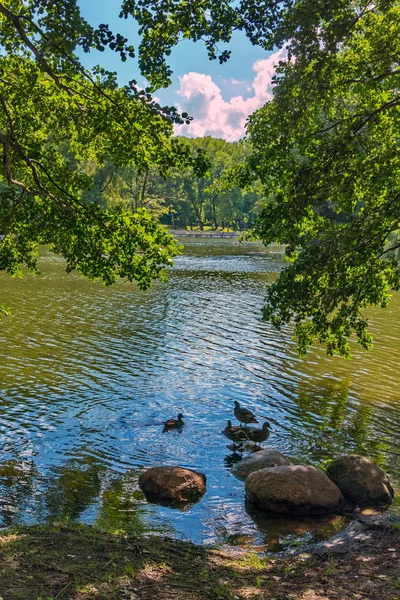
(202, 98)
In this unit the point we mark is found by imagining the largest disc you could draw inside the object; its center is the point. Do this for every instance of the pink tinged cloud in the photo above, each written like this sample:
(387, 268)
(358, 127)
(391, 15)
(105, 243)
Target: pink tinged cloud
(202, 99)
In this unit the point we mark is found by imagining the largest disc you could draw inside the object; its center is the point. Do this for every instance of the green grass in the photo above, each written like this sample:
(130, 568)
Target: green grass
(331, 568)
(254, 561)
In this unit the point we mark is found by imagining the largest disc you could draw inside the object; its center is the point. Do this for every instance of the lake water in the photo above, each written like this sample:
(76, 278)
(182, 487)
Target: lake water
(88, 374)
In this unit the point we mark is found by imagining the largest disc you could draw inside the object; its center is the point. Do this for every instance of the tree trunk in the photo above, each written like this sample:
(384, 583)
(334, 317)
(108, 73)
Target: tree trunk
(136, 192)
(144, 186)
(214, 214)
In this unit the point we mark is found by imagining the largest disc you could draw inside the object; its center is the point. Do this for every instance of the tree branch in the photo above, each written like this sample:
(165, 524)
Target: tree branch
(386, 106)
(7, 169)
(15, 20)
(8, 115)
(103, 189)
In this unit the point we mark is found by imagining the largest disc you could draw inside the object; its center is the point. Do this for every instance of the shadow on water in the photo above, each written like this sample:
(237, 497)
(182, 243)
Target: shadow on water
(89, 374)
(282, 532)
(232, 459)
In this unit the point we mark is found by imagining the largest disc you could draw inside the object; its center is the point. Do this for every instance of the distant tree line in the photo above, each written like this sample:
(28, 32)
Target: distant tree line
(182, 199)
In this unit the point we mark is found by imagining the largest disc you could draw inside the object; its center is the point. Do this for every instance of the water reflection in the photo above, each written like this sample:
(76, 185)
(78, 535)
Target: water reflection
(121, 507)
(281, 532)
(17, 485)
(232, 459)
(340, 425)
(89, 374)
(73, 487)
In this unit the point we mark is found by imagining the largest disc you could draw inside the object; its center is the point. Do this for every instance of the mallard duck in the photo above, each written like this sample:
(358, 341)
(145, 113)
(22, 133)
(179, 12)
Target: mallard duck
(234, 433)
(257, 435)
(244, 415)
(174, 423)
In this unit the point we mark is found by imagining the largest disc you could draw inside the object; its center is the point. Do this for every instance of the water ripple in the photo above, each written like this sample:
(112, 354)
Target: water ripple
(89, 374)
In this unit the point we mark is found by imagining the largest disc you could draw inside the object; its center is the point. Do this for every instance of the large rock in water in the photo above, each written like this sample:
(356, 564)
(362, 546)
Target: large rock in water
(361, 481)
(259, 460)
(173, 484)
(296, 489)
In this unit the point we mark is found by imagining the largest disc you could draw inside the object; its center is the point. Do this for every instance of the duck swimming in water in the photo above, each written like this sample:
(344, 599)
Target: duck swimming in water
(174, 423)
(244, 415)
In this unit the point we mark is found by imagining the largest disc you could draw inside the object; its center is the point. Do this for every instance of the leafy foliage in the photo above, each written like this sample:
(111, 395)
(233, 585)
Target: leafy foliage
(313, 26)
(54, 115)
(164, 23)
(326, 149)
(182, 199)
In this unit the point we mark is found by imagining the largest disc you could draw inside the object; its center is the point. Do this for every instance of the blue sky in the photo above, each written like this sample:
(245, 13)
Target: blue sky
(219, 97)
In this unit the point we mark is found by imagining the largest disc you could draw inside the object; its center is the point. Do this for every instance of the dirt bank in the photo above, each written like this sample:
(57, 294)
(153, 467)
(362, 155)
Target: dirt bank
(82, 563)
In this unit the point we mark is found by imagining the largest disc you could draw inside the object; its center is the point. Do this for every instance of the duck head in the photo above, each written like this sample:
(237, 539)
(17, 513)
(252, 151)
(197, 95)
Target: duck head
(266, 425)
(180, 417)
(237, 404)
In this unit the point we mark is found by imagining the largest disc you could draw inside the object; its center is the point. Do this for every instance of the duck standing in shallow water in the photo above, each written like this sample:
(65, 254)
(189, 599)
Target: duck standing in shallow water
(234, 433)
(244, 415)
(257, 435)
(174, 423)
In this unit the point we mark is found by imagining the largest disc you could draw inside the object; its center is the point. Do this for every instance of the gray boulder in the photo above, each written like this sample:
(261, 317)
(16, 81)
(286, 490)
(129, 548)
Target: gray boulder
(295, 489)
(259, 460)
(361, 481)
(173, 484)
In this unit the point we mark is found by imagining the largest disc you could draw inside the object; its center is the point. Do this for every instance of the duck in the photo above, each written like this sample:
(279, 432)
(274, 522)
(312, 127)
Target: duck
(257, 435)
(234, 433)
(174, 423)
(244, 415)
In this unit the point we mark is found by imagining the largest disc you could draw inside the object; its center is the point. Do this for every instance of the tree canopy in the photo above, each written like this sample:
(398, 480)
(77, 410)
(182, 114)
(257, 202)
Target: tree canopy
(325, 150)
(56, 116)
(183, 199)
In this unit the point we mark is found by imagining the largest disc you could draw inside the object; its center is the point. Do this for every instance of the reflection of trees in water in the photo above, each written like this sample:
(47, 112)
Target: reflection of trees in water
(123, 507)
(120, 506)
(74, 486)
(332, 423)
(17, 482)
(83, 481)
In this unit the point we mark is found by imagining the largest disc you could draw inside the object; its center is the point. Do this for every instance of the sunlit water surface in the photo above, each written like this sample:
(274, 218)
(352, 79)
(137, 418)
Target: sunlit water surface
(88, 374)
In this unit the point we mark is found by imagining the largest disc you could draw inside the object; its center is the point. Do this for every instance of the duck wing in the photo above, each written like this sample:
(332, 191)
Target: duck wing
(236, 434)
(245, 415)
